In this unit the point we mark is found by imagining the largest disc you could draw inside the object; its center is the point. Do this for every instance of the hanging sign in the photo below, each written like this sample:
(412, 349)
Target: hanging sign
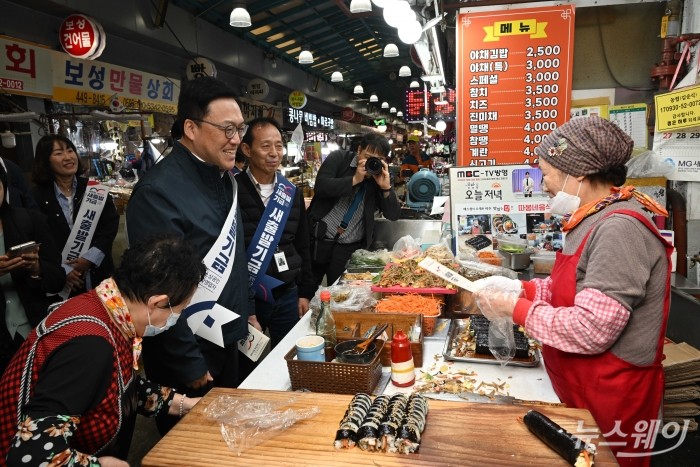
(258, 89)
(81, 37)
(200, 66)
(514, 79)
(297, 99)
(414, 111)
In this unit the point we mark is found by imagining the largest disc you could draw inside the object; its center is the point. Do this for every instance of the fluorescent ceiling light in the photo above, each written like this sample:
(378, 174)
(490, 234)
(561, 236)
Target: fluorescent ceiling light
(414, 84)
(336, 77)
(399, 114)
(358, 89)
(373, 98)
(432, 78)
(385, 105)
(405, 71)
(392, 110)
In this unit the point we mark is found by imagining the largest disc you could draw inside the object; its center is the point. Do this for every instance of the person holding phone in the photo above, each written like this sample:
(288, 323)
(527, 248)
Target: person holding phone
(27, 274)
(60, 192)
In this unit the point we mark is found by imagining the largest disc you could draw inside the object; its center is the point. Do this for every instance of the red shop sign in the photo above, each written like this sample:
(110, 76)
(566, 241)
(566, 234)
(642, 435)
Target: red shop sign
(81, 37)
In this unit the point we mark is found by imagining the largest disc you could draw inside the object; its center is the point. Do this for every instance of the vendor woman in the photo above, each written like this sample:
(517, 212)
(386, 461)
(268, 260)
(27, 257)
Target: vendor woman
(71, 392)
(601, 315)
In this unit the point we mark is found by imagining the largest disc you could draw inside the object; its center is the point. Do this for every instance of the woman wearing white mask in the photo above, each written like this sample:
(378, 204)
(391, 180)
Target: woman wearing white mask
(71, 392)
(601, 315)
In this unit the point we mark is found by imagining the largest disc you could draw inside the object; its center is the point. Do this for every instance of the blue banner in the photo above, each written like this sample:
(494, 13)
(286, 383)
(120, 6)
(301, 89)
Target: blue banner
(267, 236)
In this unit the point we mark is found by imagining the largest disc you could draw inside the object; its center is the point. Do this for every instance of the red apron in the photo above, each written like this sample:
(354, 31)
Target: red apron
(610, 388)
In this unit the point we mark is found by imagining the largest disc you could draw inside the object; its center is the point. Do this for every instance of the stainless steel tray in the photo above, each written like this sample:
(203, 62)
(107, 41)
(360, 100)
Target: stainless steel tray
(457, 326)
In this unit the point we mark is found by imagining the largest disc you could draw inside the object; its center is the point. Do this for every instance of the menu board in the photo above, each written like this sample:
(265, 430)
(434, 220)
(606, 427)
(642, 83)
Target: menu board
(415, 105)
(514, 73)
(448, 110)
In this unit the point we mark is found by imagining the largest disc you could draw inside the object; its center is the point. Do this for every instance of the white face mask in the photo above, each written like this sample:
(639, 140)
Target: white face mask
(151, 330)
(564, 203)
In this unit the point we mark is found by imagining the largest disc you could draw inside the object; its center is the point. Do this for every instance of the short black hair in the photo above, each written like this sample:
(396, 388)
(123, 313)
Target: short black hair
(42, 174)
(159, 264)
(197, 94)
(375, 141)
(259, 122)
(527, 173)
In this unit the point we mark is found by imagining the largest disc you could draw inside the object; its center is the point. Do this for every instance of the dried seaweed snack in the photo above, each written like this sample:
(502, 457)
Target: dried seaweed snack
(346, 436)
(575, 451)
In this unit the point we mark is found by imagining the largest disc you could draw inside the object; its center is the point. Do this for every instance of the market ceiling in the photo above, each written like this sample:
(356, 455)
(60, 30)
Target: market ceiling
(339, 40)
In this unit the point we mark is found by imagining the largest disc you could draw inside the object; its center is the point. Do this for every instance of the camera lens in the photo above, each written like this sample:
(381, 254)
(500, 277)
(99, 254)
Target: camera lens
(373, 166)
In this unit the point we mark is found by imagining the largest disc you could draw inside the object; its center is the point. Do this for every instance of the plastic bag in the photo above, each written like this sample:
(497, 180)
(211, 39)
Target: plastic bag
(441, 252)
(378, 258)
(474, 270)
(406, 247)
(648, 164)
(344, 298)
(252, 428)
(230, 409)
(502, 340)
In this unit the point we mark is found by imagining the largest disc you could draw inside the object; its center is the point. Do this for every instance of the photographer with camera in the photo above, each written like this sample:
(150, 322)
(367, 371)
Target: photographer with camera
(349, 188)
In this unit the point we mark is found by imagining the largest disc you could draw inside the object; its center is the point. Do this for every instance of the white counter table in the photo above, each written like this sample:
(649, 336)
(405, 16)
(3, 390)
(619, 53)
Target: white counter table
(521, 383)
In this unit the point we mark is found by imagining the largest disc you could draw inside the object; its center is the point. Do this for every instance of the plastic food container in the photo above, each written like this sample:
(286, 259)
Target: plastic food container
(543, 262)
(516, 261)
(490, 257)
(511, 244)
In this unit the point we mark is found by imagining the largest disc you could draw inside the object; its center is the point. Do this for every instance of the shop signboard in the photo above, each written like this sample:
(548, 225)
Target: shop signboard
(93, 83)
(502, 200)
(310, 120)
(514, 75)
(254, 109)
(81, 37)
(258, 88)
(448, 108)
(200, 66)
(25, 68)
(297, 99)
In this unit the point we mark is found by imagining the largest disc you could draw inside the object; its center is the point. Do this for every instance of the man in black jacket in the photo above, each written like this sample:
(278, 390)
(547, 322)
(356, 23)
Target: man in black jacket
(291, 262)
(346, 196)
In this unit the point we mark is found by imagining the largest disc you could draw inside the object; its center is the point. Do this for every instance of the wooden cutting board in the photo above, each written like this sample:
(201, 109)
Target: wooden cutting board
(457, 434)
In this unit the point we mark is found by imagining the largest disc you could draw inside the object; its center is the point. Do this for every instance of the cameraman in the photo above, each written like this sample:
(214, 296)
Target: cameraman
(349, 188)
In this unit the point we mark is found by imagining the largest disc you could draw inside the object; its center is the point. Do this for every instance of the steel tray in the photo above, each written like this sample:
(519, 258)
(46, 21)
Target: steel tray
(457, 326)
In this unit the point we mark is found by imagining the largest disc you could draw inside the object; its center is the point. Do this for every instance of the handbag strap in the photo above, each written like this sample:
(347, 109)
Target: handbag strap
(351, 211)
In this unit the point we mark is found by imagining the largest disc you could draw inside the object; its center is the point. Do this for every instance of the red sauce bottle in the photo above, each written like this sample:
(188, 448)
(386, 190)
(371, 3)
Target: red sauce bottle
(402, 369)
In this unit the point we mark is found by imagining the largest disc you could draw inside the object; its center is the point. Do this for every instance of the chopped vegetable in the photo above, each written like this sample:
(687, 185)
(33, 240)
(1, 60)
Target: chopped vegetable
(409, 274)
(410, 303)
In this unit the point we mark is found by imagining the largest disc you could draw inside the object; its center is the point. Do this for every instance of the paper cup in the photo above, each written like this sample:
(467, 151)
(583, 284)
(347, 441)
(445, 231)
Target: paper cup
(311, 348)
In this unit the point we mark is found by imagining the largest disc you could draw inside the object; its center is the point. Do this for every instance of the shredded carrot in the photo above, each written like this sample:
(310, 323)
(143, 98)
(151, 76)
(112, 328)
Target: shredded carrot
(410, 303)
(487, 254)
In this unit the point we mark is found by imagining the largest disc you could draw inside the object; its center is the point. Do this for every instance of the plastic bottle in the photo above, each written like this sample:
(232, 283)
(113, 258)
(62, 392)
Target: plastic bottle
(325, 325)
(402, 369)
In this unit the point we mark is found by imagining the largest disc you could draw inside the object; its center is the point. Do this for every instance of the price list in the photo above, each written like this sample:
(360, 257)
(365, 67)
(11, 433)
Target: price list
(514, 82)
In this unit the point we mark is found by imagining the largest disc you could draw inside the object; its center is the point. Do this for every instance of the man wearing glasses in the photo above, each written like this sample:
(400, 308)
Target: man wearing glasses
(349, 188)
(192, 193)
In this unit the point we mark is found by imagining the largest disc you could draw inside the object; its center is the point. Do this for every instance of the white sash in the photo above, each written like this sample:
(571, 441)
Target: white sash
(204, 316)
(84, 225)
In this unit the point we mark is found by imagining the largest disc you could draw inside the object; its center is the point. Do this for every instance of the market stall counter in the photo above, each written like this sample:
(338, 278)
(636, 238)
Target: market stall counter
(520, 382)
(456, 434)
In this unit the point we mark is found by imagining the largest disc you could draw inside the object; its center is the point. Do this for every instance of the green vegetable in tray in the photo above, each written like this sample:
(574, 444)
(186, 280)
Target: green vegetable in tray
(511, 248)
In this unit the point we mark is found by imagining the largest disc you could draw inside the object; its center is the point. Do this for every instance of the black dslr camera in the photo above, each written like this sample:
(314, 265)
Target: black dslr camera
(373, 166)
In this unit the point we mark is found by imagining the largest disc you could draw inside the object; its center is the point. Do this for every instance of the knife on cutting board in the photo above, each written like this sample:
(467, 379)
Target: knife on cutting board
(507, 400)
(484, 399)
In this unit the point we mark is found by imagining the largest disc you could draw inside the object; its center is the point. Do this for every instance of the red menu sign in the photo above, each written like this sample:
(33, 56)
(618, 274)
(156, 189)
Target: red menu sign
(514, 74)
(444, 104)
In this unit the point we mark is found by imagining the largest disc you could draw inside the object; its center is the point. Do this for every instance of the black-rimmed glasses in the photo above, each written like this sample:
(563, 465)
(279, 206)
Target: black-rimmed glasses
(229, 130)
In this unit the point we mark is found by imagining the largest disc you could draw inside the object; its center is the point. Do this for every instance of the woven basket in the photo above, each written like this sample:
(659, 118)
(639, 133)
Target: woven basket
(334, 377)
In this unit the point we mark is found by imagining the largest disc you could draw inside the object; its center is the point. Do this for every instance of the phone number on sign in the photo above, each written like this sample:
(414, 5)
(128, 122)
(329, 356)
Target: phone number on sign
(8, 83)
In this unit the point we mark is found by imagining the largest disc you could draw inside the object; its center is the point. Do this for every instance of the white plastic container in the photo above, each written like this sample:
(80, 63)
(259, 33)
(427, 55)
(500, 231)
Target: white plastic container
(543, 262)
